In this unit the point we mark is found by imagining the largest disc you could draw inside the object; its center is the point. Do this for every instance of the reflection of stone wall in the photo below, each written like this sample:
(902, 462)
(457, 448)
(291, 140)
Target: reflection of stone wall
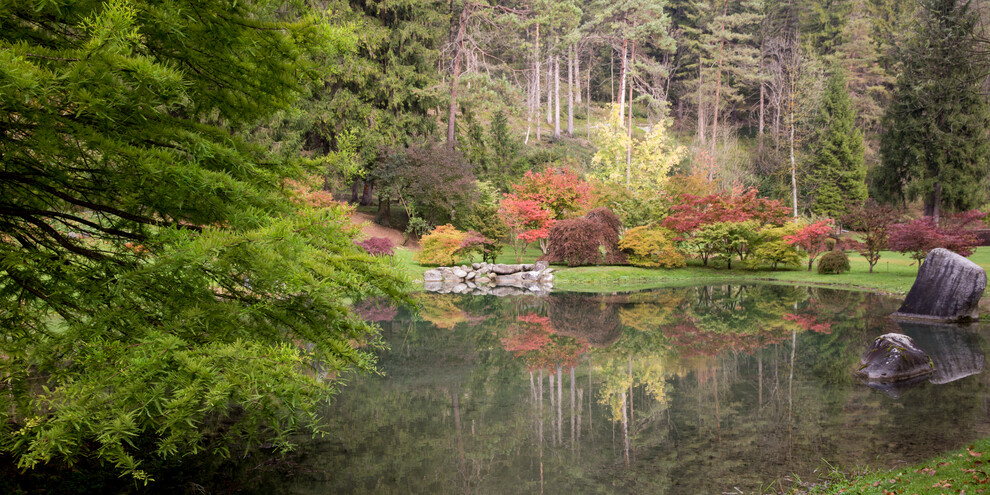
(588, 317)
(485, 278)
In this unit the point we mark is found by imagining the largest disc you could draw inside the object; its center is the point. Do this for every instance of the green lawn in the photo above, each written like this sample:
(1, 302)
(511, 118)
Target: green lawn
(961, 471)
(894, 273)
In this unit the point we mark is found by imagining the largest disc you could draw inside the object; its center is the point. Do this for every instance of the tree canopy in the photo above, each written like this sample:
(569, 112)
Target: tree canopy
(935, 142)
(162, 291)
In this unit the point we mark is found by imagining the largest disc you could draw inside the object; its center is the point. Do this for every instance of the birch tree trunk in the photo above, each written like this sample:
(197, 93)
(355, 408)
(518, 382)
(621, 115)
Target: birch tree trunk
(536, 66)
(629, 143)
(577, 76)
(570, 92)
(556, 96)
(549, 86)
(588, 100)
(701, 105)
(622, 79)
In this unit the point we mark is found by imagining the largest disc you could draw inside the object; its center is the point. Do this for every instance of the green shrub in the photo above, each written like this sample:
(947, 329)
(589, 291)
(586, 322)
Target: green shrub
(441, 246)
(651, 246)
(833, 262)
(771, 248)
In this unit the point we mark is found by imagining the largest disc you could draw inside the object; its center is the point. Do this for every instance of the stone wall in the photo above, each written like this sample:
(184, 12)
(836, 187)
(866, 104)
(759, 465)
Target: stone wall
(486, 278)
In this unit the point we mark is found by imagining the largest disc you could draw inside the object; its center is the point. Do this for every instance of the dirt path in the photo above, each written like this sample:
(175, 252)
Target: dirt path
(372, 229)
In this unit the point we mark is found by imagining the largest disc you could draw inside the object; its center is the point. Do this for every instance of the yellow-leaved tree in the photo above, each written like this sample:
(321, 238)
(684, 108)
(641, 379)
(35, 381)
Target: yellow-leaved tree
(650, 162)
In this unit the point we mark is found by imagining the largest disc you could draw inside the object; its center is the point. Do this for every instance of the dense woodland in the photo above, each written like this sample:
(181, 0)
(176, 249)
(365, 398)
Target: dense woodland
(813, 102)
(173, 262)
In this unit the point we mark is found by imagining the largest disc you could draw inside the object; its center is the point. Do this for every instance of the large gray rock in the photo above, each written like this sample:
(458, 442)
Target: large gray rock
(432, 276)
(894, 357)
(501, 269)
(948, 288)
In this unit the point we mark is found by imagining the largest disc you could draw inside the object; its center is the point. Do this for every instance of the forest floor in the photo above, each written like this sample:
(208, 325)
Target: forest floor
(371, 229)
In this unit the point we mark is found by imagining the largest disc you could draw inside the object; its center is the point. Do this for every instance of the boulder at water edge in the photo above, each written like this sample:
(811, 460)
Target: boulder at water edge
(894, 357)
(948, 289)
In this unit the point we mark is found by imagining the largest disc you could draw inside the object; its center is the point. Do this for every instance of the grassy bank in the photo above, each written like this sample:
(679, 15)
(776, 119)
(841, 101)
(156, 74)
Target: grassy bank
(961, 471)
(894, 274)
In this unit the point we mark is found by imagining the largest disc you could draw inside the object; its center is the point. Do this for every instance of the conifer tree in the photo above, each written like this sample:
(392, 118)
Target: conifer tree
(935, 143)
(837, 169)
(164, 290)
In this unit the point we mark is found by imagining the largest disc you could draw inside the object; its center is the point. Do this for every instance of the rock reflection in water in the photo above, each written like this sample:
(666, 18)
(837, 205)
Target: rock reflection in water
(954, 349)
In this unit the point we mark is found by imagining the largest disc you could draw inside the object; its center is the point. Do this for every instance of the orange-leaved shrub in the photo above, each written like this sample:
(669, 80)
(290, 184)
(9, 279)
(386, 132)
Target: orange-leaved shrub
(440, 246)
(651, 246)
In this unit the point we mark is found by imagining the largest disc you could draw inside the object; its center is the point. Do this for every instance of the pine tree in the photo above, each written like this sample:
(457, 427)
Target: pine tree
(837, 169)
(935, 141)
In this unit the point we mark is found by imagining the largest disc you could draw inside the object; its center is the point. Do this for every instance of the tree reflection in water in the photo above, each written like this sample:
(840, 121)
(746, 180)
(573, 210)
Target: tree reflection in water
(687, 390)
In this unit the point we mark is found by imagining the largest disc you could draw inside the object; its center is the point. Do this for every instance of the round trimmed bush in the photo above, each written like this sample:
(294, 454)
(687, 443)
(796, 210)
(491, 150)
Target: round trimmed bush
(833, 262)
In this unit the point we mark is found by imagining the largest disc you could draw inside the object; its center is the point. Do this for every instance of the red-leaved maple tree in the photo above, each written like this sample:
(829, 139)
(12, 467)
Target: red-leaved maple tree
(558, 190)
(527, 220)
(811, 238)
(920, 236)
(696, 211)
(873, 221)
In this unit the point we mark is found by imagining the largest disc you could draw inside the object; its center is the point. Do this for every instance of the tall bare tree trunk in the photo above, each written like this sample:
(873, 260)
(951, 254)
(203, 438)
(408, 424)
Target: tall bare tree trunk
(622, 79)
(629, 144)
(529, 101)
(793, 163)
(718, 78)
(459, 42)
(570, 91)
(577, 76)
(556, 96)
(701, 105)
(549, 86)
(536, 65)
(588, 112)
(611, 74)
(763, 90)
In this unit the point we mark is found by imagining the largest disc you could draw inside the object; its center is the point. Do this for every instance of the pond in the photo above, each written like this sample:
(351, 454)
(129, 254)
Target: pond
(713, 389)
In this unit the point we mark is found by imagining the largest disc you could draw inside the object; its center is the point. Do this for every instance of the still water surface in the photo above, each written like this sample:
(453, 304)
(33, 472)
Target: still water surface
(717, 389)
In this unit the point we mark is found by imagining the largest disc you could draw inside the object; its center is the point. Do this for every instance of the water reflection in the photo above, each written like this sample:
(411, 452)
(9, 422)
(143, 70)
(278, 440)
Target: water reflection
(691, 390)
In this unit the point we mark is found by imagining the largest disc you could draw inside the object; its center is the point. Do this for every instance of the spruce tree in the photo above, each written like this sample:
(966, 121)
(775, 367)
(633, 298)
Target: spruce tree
(837, 169)
(935, 144)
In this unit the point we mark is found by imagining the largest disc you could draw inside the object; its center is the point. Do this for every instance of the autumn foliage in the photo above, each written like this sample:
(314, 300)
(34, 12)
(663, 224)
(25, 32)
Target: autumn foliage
(377, 246)
(873, 221)
(527, 221)
(812, 238)
(590, 240)
(696, 211)
(557, 190)
(440, 246)
(652, 246)
(955, 233)
(536, 342)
